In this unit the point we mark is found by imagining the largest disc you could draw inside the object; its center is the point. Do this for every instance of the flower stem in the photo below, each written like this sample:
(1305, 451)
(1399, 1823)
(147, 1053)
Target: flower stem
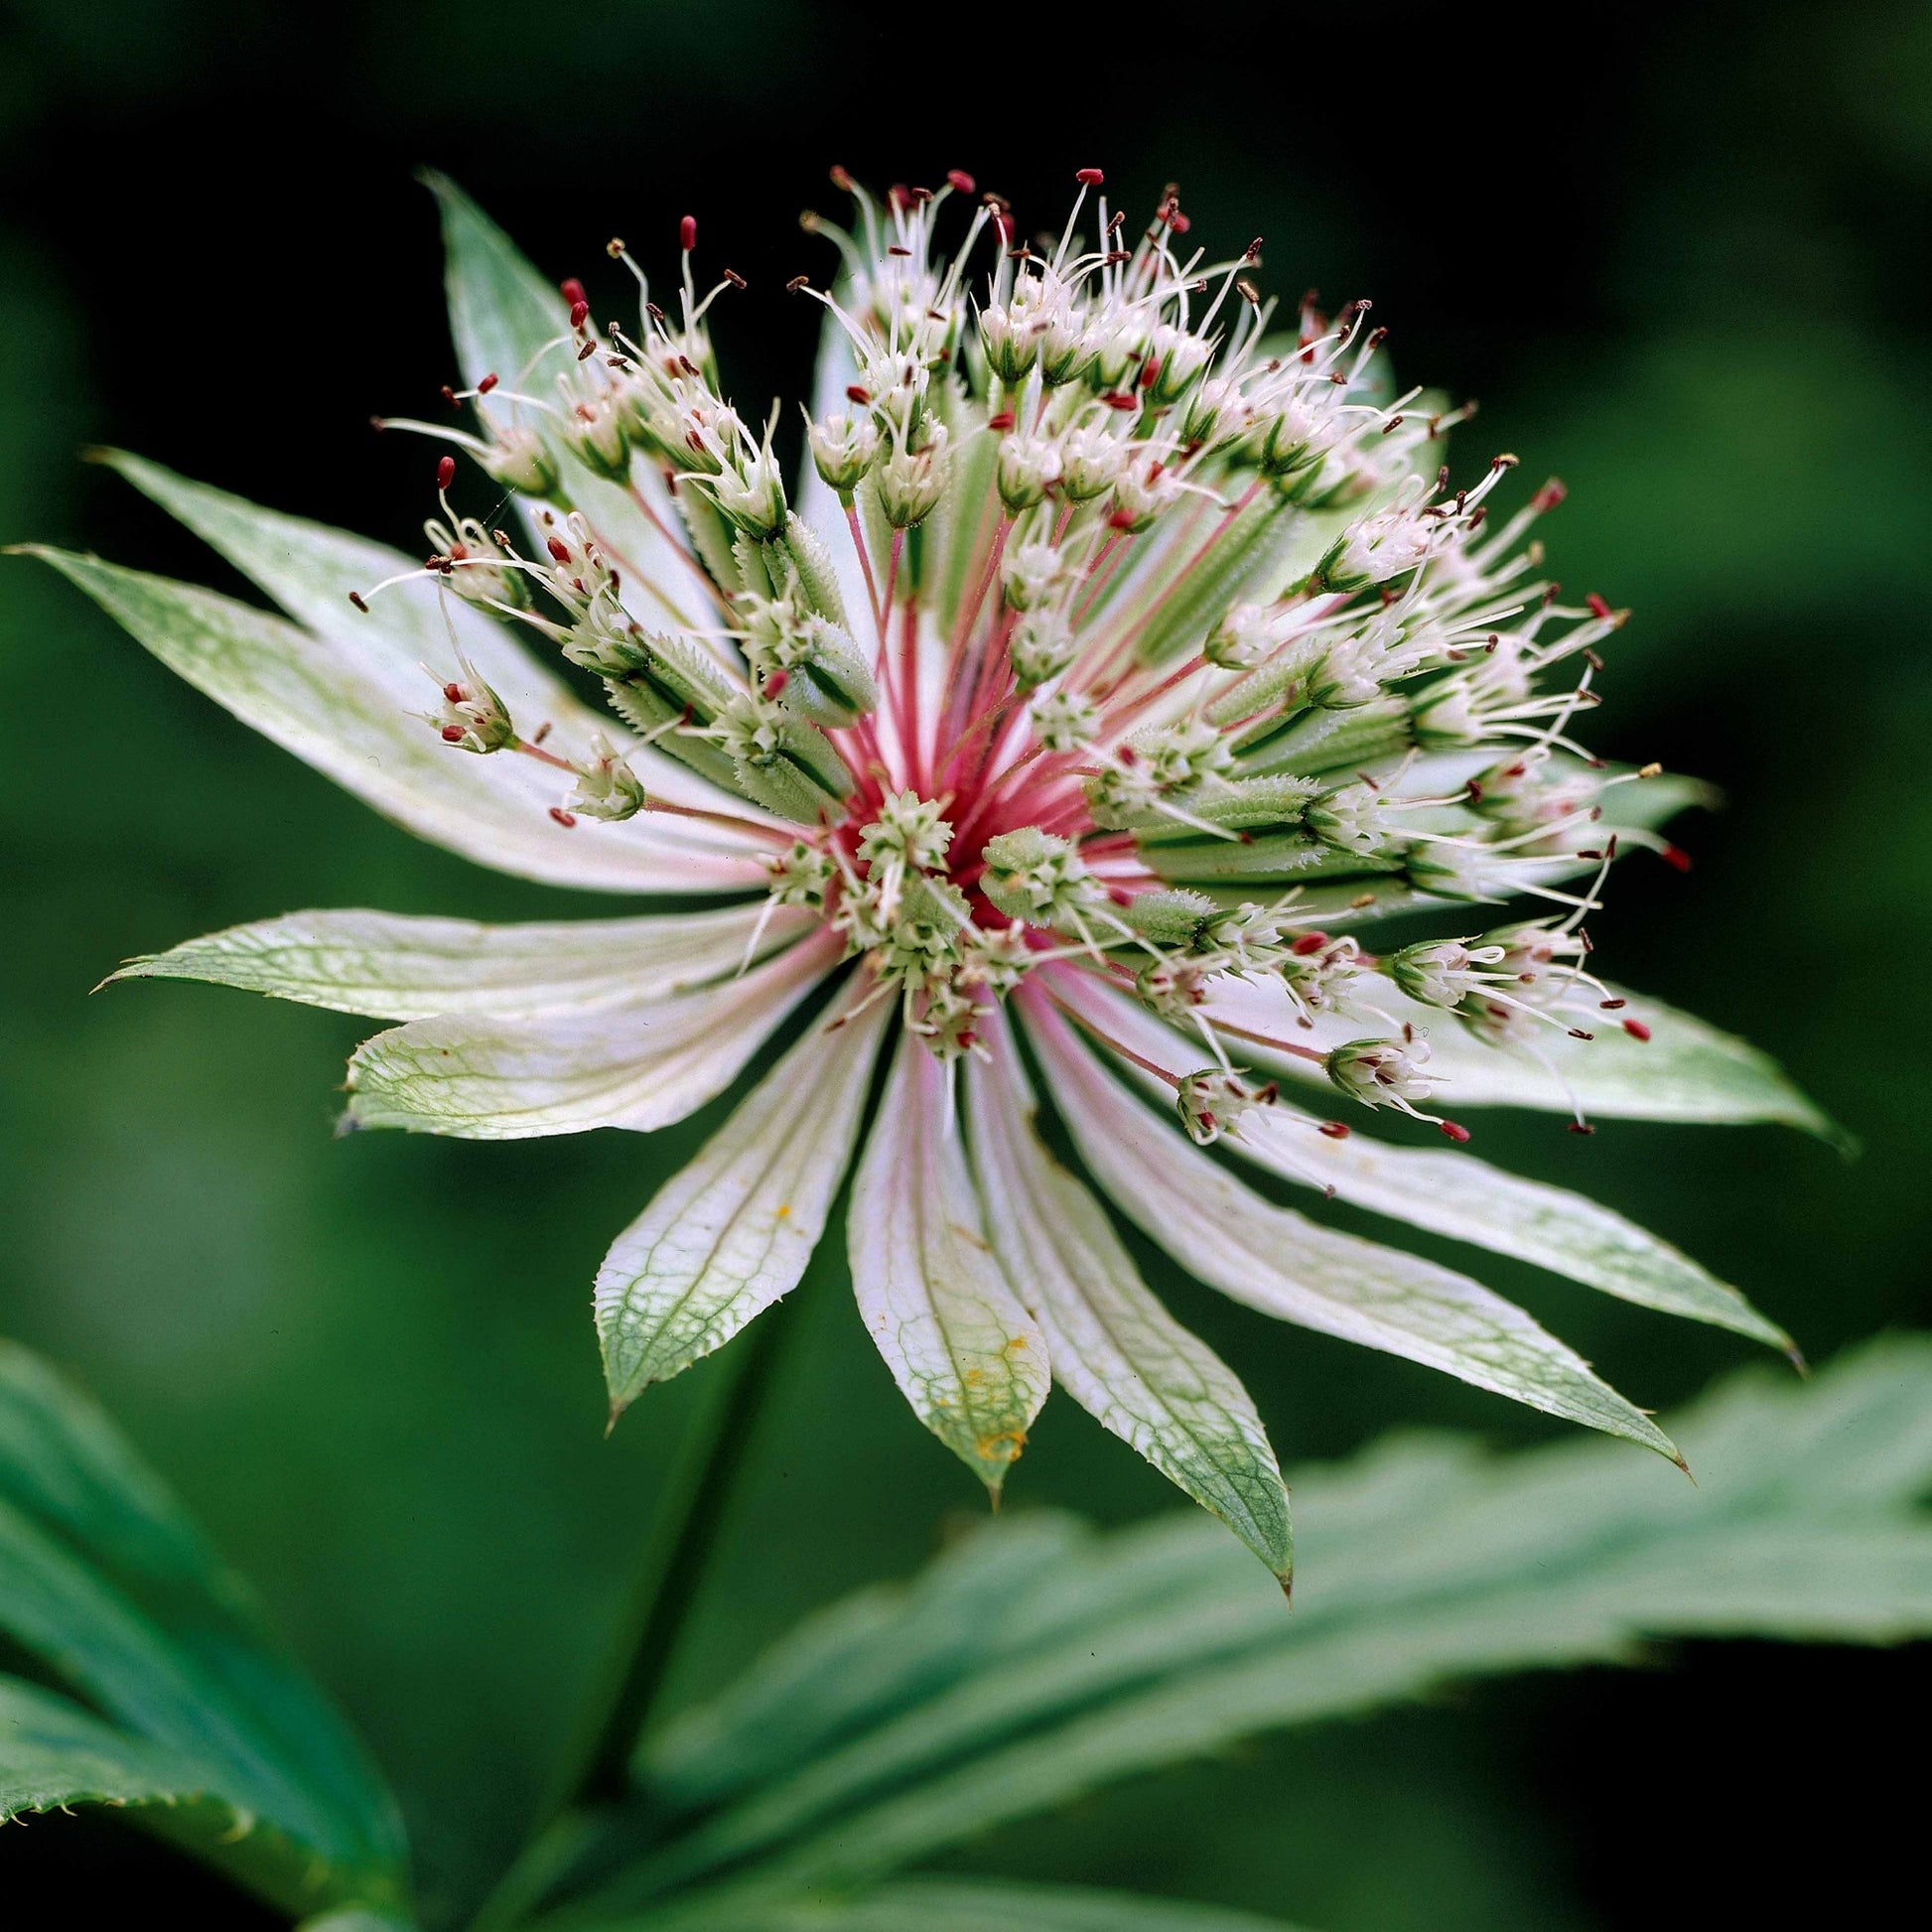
(597, 1777)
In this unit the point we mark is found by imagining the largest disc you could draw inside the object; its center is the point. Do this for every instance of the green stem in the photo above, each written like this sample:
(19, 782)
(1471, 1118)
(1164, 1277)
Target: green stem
(678, 1552)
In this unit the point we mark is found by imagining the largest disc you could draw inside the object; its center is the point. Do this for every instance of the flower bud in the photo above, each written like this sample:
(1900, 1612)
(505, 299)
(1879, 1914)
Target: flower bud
(1029, 467)
(1438, 972)
(519, 461)
(844, 446)
(472, 717)
(1040, 648)
(1351, 818)
(1031, 575)
(1381, 1072)
(607, 787)
(1213, 1102)
(1063, 721)
(910, 480)
(1090, 459)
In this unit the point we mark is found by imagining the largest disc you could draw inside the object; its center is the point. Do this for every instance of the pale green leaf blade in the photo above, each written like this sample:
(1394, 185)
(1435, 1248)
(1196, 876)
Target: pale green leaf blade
(1423, 1562)
(1287, 1266)
(1451, 1193)
(1114, 1347)
(1685, 1071)
(733, 1232)
(393, 967)
(310, 569)
(312, 699)
(640, 1067)
(964, 1352)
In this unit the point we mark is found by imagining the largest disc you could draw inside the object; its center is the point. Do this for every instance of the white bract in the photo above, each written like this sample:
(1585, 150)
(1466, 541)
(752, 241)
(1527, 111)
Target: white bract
(1121, 654)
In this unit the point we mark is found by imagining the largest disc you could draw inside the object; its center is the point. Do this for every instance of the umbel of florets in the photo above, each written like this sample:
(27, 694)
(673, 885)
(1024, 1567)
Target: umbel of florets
(1126, 656)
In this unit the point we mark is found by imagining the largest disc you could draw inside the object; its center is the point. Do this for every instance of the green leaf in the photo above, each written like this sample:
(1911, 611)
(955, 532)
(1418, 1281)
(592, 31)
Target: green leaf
(395, 967)
(1277, 1261)
(640, 1067)
(106, 1582)
(1422, 1563)
(357, 718)
(1450, 1193)
(1120, 1355)
(53, 1753)
(955, 1905)
(962, 1348)
(731, 1233)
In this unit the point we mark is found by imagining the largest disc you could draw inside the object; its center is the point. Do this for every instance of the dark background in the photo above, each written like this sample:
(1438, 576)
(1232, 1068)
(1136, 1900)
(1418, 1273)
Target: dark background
(1678, 256)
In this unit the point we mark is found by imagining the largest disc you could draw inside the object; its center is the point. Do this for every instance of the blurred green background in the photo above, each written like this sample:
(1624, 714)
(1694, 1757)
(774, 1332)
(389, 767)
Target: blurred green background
(1679, 260)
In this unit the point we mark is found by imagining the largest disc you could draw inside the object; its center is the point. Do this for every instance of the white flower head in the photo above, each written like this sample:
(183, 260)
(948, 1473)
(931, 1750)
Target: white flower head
(1021, 748)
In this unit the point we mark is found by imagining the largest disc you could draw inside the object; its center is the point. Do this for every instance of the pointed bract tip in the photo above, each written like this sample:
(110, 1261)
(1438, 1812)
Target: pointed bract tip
(1286, 1578)
(1686, 1467)
(1796, 1358)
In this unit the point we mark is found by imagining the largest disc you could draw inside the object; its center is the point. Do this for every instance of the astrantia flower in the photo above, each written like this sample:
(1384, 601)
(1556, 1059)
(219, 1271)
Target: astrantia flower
(1124, 659)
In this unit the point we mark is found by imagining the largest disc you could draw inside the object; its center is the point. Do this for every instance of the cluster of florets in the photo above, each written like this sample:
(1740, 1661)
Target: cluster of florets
(1162, 645)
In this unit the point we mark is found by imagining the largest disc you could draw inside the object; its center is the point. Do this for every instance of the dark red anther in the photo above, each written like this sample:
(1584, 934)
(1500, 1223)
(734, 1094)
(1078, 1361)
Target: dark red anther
(1336, 1130)
(1582, 1127)
(854, 392)
(1309, 942)
(1675, 856)
(1453, 1130)
(445, 472)
(580, 313)
(776, 682)
(1090, 178)
(734, 278)
(901, 197)
(1003, 222)
(1550, 495)
(1119, 896)
(796, 283)
(1003, 421)
(1611, 1005)
(1149, 373)
(449, 396)
(841, 179)
(563, 819)
(959, 181)
(1598, 607)
(356, 598)
(454, 692)
(486, 384)
(558, 550)
(1636, 1030)
(687, 233)
(1115, 400)
(452, 734)
(572, 289)
(1122, 520)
